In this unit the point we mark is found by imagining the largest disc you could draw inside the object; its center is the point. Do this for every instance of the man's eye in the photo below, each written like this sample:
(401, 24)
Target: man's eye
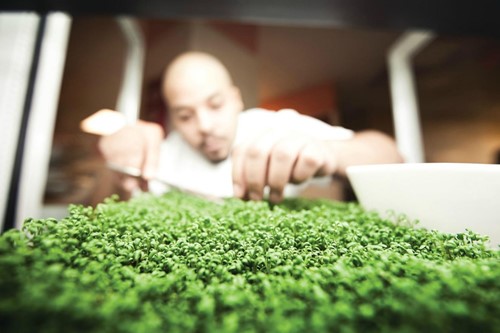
(184, 117)
(216, 104)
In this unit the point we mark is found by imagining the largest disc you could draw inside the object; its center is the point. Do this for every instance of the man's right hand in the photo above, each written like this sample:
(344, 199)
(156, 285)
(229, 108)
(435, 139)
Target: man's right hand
(136, 146)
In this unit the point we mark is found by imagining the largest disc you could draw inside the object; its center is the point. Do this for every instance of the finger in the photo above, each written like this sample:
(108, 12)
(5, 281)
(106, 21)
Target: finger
(281, 163)
(130, 184)
(250, 162)
(256, 163)
(239, 189)
(330, 163)
(153, 136)
(309, 162)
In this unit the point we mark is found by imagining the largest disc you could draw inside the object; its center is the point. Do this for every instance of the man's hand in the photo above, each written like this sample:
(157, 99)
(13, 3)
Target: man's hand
(136, 146)
(275, 159)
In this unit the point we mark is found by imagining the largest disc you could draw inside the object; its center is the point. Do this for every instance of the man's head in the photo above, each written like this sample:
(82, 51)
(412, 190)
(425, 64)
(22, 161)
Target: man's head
(203, 103)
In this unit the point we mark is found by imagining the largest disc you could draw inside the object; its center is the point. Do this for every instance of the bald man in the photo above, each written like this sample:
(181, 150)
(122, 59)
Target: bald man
(217, 149)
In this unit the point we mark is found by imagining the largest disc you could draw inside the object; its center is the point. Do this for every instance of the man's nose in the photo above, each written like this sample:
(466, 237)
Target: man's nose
(205, 121)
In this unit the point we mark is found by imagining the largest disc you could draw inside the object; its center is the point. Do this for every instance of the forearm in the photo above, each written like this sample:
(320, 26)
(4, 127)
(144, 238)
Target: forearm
(366, 147)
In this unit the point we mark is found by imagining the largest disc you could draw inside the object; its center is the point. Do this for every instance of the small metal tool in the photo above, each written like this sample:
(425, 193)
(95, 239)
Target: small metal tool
(136, 173)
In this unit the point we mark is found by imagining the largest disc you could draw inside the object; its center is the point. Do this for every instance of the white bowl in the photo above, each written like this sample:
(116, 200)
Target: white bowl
(449, 197)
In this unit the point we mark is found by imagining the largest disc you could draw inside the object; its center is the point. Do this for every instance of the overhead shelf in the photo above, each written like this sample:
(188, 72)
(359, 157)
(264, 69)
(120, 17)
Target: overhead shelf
(442, 17)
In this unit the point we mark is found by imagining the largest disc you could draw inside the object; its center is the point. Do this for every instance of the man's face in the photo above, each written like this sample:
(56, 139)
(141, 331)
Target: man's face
(205, 114)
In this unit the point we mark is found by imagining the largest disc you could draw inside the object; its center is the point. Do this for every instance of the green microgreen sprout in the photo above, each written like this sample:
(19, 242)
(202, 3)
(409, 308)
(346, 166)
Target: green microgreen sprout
(176, 263)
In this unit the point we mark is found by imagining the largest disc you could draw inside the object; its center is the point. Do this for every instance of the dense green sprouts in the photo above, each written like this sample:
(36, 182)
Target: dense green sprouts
(176, 263)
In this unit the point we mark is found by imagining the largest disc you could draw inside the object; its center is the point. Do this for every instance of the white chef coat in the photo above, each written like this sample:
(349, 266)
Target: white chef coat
(183, 166)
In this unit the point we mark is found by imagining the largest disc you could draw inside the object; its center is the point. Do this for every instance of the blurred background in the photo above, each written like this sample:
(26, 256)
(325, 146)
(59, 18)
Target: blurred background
(337, 74)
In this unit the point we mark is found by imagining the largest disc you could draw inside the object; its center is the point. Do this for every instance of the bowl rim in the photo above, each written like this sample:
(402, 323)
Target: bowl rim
(425, 166)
